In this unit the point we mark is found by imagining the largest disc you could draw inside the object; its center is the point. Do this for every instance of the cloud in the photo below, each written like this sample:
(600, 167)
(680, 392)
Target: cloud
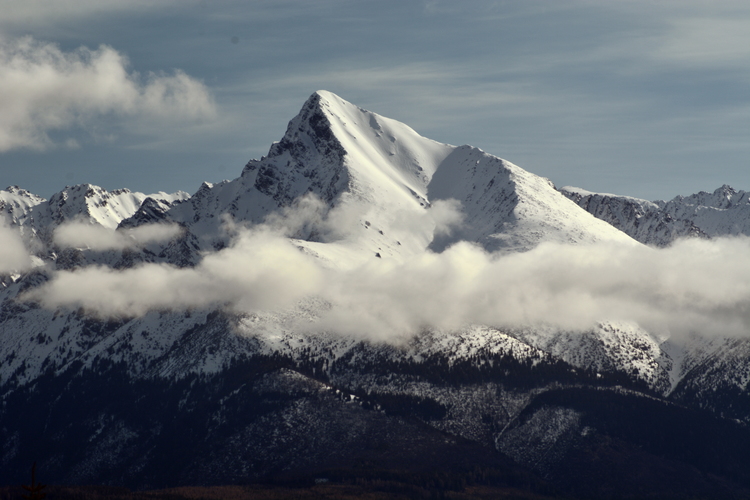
(658, 37)
(13, 254)
(52, 11)
(308, 213)
(84, 235)
(694, 286)
(309, 216)
(260, 271)
(707, 42)
(447, 215)
(43, 89)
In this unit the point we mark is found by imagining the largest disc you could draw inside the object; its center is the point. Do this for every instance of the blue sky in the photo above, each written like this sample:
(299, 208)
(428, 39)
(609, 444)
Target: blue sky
(649, 99)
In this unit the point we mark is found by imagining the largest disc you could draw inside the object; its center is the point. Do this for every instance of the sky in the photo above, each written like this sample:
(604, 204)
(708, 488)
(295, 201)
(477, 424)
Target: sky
(642, 98)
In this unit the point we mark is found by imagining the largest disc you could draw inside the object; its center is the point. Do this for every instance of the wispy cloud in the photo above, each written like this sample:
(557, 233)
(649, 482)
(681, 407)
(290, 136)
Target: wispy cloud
(43, 89)
(260, 271)
(13, 254)
(694, 286)
(44, 11)
(84, 235)
(708, 43)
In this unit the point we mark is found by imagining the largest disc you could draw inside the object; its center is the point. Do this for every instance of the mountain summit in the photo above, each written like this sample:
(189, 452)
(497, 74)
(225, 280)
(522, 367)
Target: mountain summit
(385, 176)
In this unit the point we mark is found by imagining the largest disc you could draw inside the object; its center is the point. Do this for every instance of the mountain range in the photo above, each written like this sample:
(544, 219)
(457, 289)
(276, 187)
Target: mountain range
(367, 302)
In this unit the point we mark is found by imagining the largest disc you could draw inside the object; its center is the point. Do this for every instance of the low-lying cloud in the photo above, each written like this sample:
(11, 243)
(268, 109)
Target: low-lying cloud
(77, 234)
(13, 254)
(260, 271)
(44, 89)
(694, 286)
(309, 215)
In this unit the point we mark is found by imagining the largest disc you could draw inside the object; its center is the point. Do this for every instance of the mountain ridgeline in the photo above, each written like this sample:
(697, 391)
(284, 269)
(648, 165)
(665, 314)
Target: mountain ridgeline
(244, 333)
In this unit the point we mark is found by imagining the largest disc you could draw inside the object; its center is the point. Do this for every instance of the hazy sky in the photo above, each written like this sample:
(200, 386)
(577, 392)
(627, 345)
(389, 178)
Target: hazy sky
(649, 99)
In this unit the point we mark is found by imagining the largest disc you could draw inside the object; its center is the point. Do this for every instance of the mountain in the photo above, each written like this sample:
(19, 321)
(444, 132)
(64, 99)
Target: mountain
(82, 202)
(348, 158)
(181, 391)
(15, 203)
(36, 219)
(725, 212)
(385, 174)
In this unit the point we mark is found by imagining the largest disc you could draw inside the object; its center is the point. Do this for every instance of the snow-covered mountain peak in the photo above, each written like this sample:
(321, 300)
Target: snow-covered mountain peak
(16, 202)
(372, 147)
(508, 208)
(387, 143)
(380, 174)
(335, 288)
(722, 198)
(308, 136)
(725, 211)
(37, 219)
(372, 170)
(96, 204)
(15, 190)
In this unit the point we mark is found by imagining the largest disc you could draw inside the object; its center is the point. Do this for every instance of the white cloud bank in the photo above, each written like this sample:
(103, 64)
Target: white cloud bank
(695, 286)
(13, 254)
(43, 89)
(78, 234)
(260, 271)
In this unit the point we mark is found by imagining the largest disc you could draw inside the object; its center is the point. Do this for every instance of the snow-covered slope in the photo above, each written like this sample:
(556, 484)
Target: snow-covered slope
(15, 203)
(369, 172)
(608, 347)
(725, 212)
(716, 376)
(377, 179)
(84, 202)
(92, 204)
(509, 208)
